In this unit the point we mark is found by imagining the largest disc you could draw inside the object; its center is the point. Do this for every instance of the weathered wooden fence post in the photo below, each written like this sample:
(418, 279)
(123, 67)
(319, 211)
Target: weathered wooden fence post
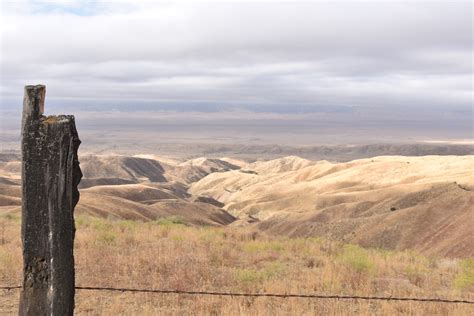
(50, 175)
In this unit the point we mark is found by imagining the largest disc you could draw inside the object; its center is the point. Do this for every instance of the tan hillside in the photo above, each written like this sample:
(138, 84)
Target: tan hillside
(131, 169)
(393, 202)
(6, 200)
(10, 172)
(236, 162)
(161, 159)
(10, 190)
(116, 170)
(422, 203)
(196, 169)
(11, 166)
(134, 192)
(113, 207)
(284, 164)
(197, 213)
(119, 208)
(137, 201)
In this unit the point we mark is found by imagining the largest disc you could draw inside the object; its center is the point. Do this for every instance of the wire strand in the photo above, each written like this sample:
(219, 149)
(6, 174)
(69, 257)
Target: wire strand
(315, 296)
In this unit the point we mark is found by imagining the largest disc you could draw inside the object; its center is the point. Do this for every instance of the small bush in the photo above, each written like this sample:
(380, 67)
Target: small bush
(313, 263)
(386, 254)
(416, 275)
(5, 260)
(107, 238)
(212, 235)
(248, 276)
(178, 238)
(101, 225)
(465, 278)
(79, 221)
(171, 221)
(252, 276)
(127, 225)
(357, 259)
(273, 269)
(13, 217)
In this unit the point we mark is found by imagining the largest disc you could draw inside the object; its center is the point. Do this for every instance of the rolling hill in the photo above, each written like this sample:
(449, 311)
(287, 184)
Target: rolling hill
(391, 202)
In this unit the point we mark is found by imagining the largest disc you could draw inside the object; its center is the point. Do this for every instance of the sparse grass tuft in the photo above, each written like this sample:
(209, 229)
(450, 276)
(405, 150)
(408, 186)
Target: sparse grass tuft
(13, 217)
(107, 238)
(416, 274)
(249, 276)
(357, 259)
(6, 261)
(465, 278)
(171, 221)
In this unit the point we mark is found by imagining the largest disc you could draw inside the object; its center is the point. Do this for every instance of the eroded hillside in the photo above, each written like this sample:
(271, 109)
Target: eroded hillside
(393, 202)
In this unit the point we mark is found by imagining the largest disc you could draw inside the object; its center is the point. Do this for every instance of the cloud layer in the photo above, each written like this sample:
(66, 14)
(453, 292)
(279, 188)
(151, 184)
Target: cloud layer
(321, 53)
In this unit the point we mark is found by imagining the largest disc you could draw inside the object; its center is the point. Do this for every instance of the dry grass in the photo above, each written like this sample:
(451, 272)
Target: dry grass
(169, 255)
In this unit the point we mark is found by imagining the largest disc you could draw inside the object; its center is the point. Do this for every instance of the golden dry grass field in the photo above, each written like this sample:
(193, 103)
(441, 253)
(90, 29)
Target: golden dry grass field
(167, 254)
(382, 226)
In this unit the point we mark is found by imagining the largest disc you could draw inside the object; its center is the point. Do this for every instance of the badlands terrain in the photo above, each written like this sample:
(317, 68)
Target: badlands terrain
(390, 202)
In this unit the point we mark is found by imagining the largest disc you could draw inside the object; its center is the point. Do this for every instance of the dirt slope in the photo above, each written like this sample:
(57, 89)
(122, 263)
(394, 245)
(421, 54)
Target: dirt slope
(194, 170)
(393, 202)
(423, 203)
(129, 169)
(116, 170)
(130, 188)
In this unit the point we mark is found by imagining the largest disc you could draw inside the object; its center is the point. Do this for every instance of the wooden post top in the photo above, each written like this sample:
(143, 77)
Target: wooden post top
(33, 102)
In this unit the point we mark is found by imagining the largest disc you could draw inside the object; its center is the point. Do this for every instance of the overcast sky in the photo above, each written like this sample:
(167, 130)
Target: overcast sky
(385, 53)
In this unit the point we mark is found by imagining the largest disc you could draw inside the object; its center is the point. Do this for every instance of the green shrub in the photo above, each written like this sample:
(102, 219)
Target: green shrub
(357, 259)
(211, 235)
(273, 269)
(178, 238)
(79, 221)
(171, 221)
(100, 224)
(13, 217)
(465, 278)
(127, 225)
(248, 276)
(107, 238)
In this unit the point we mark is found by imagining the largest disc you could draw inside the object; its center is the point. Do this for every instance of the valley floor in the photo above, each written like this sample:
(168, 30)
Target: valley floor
(167, 254)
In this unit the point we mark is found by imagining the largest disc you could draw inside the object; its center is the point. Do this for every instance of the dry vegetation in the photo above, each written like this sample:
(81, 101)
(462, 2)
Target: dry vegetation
(169, 255)
(149, 222)
(395, 202)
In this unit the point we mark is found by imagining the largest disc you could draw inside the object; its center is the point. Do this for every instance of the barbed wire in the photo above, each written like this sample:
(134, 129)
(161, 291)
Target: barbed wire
(277, 295)
(9, 288)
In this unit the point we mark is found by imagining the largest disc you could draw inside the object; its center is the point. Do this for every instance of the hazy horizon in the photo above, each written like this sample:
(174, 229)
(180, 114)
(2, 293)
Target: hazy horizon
(140, 74)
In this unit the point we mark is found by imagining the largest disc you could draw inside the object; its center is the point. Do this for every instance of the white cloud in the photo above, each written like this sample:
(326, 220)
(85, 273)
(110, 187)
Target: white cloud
(353, 53)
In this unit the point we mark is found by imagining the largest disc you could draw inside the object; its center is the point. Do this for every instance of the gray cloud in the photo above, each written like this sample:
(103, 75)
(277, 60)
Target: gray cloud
(352, 53)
